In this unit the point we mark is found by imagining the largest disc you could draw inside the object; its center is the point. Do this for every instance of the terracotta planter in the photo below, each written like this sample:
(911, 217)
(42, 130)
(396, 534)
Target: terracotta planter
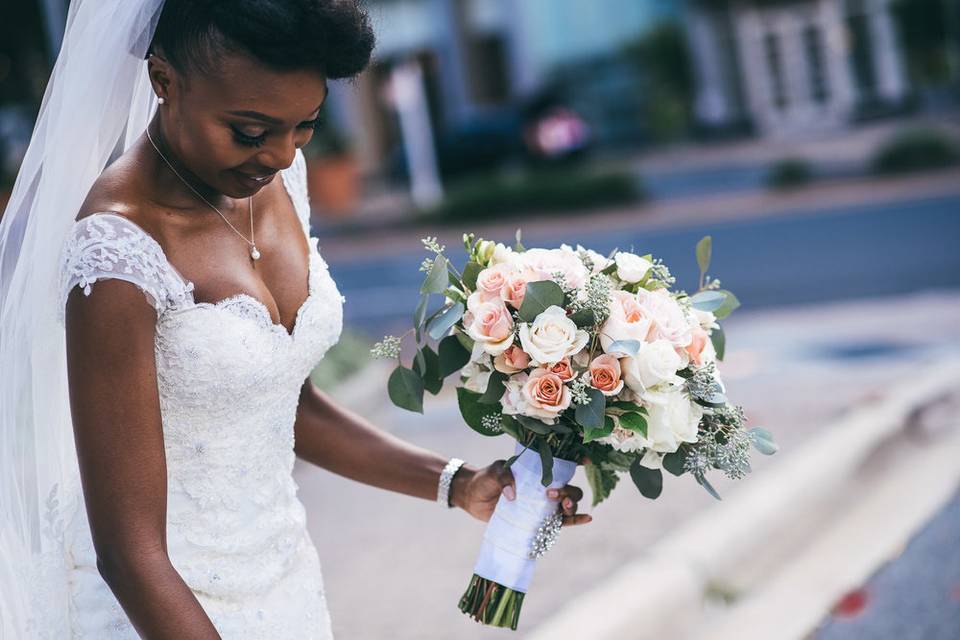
(334, 184)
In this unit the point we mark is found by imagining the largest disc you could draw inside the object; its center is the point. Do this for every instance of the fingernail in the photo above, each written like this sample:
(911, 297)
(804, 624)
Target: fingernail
(509, 492)
(552, 493)
(567, 503)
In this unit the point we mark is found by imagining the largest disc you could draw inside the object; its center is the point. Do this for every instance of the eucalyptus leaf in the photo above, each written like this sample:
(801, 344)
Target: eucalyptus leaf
(429, 370)
(704, 251)
(473, 412)
(719, 340)
(532, 424)
(634, 422)
(626, 347)
(728, 306)
(495, 388)
(465, 340)
(673, 462)
(453, 356)
(648, 481)
(602, 482)
(590, 415)
(538, 297)
(709, 487)
(593, 434)
(511, 427)
(470, 273)
(436, 280)
(405, 389)
(584, 318)
(708, 300)
(546, 462)
(763, 441)
(442, 324)
(420, 313)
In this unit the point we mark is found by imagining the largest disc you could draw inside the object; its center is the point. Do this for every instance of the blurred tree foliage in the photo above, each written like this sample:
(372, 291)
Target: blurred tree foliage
(663, 59)
(925, 27)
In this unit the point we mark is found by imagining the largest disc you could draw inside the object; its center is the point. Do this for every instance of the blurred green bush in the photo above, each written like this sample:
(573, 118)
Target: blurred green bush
(789, 173)
(915, 150)
(546, 190)
(344, 359)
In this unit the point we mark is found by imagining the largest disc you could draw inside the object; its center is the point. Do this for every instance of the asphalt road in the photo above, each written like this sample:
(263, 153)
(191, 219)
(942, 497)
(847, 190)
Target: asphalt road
(805, 257)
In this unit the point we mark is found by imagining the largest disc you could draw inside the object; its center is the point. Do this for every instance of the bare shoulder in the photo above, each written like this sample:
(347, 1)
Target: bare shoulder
(120, 189)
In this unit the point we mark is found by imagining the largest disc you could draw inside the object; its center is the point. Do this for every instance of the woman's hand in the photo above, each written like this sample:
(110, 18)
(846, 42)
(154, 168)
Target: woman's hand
(477, 491)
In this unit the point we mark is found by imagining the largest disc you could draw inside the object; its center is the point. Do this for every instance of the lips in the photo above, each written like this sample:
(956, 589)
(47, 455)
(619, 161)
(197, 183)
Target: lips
(254, 180)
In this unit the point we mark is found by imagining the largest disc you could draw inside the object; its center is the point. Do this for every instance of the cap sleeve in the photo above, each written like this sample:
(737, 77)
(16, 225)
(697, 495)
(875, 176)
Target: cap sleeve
(295, 182)
(107, 245)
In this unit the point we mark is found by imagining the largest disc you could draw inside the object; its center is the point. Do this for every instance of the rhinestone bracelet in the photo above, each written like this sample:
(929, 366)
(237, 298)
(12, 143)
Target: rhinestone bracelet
(446, 479)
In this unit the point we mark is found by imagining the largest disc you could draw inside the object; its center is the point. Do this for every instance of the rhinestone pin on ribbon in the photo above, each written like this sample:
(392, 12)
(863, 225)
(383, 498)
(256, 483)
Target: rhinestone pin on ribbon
(546, 536)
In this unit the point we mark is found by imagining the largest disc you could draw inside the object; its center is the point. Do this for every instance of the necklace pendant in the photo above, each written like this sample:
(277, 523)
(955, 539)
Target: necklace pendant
(254, 253)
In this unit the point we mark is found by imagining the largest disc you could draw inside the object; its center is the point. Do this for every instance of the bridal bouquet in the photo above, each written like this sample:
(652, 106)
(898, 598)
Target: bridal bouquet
(581, 358)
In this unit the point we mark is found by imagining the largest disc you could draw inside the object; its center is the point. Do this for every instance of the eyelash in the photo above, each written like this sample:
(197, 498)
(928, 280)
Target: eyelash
(257, 141)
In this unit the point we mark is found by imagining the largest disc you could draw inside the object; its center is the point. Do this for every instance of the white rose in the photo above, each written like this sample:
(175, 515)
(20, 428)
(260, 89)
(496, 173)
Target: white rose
(476, 376)
(705, 319)
(672, 418)
(655, 362)
(503, 254)
(513, 401)
(628, 320)
(551, 337)
(598, 260)
(624, 440)
(669, 321)
(546, 262)
(631, 267)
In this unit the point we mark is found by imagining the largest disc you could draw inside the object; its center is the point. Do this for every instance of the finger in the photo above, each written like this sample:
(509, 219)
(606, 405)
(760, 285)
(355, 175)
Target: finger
(572, 492)
(568, 506)
(508, 484)
(583, 518)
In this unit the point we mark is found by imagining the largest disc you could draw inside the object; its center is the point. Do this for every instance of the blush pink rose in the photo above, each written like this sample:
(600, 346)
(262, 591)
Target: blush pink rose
(490, 325)
(700, 350)
(545, 394)
(513, 360)
(491, 280)
(513, 290)
(605, 374)
(563, 369)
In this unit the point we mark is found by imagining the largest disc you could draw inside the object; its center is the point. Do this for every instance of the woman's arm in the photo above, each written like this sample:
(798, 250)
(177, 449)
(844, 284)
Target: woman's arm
(339, 440)
(119, 438)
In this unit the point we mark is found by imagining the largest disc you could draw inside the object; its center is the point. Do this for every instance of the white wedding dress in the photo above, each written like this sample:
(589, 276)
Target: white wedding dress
(229, 380)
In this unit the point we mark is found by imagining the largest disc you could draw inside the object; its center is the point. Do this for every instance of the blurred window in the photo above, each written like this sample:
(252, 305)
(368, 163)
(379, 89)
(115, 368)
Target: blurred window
(771, 44)
(813, 44)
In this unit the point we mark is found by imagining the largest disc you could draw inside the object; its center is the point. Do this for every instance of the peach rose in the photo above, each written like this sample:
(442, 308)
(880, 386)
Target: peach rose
(491, 280)
(513, 360)
(513, 290)
(545, 394)
(491, 325)
(563, 369)
(628, 320)
(605, 374)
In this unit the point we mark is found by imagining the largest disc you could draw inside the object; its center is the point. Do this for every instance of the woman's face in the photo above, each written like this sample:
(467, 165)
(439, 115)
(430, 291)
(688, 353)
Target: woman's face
(236, 128)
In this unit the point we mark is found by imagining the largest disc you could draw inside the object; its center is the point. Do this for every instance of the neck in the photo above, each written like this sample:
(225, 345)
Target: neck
(174, 177)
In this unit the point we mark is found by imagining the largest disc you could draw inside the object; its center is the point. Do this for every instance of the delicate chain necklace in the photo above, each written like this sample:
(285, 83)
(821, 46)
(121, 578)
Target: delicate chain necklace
(254, 252)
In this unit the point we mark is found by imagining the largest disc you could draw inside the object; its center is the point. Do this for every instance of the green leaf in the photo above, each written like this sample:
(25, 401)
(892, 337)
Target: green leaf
(405, 389)
(511, 427)
(626, 347)
(470, 273)
(709, 487)
(708, 300)
(673, 462)
(704, 250)
(594, 434)
(634, 422)
(452, 355)
(728, 306)
(584, 318)
(648, 481)
(590, 415)
(420, 313)
(719, 340)
(602, 482)
(532, 424)
(473, 412)
(626, 405)
(495, 388)
(436, 280)
(429, 371)
(442, 323)
(763, 441)
(546, 462)
(538, 297)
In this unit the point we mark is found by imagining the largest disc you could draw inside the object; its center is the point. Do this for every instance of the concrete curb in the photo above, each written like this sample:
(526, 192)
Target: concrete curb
(647, 597)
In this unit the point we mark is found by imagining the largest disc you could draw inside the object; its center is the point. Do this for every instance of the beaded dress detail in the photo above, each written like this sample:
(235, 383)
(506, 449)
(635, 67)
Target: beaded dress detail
(229, 380)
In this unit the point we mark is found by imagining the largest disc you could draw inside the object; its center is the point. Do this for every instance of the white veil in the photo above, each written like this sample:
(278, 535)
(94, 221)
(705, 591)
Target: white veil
(98, 101)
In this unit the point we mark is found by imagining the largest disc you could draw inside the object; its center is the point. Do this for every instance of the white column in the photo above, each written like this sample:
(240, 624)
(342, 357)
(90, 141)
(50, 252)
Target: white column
(754, 71)
(712, 105)
(411, 102)
(836, 51)
(887, 54)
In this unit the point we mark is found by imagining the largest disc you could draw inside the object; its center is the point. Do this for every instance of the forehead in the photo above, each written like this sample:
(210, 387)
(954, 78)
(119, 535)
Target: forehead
(240, 82)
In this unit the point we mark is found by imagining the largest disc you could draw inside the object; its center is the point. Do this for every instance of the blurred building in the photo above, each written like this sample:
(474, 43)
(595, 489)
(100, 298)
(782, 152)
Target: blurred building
(788, 67)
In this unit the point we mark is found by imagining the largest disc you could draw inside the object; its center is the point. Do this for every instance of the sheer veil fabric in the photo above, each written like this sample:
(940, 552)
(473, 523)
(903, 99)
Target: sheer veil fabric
(97, 102)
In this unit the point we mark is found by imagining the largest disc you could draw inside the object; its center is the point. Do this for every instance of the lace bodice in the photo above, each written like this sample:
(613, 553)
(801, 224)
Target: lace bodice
(228, 379)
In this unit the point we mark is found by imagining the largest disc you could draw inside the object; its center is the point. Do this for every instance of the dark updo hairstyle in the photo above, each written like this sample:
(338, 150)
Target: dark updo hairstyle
(331, 36)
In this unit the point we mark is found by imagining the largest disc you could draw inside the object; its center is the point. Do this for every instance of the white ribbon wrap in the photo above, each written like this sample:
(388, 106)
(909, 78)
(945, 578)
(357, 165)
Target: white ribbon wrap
(504, 551)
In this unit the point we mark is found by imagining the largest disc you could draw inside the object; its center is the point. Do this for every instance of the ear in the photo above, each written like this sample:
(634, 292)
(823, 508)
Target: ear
(162, 76)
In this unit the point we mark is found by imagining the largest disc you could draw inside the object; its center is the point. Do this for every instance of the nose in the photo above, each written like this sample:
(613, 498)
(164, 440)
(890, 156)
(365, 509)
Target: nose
(280, 153)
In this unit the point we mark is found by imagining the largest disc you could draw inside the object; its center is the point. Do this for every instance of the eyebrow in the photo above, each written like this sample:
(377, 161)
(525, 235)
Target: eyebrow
(256, 115)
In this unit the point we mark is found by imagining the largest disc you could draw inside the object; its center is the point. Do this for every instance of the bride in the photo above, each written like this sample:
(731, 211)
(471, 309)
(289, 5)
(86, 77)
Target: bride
(161, 293)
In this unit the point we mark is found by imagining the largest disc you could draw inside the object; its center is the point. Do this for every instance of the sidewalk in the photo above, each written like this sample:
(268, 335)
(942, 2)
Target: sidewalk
(395, 566)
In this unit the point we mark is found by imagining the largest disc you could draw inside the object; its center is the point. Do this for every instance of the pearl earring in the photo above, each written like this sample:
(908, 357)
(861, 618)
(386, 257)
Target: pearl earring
(161, 100)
